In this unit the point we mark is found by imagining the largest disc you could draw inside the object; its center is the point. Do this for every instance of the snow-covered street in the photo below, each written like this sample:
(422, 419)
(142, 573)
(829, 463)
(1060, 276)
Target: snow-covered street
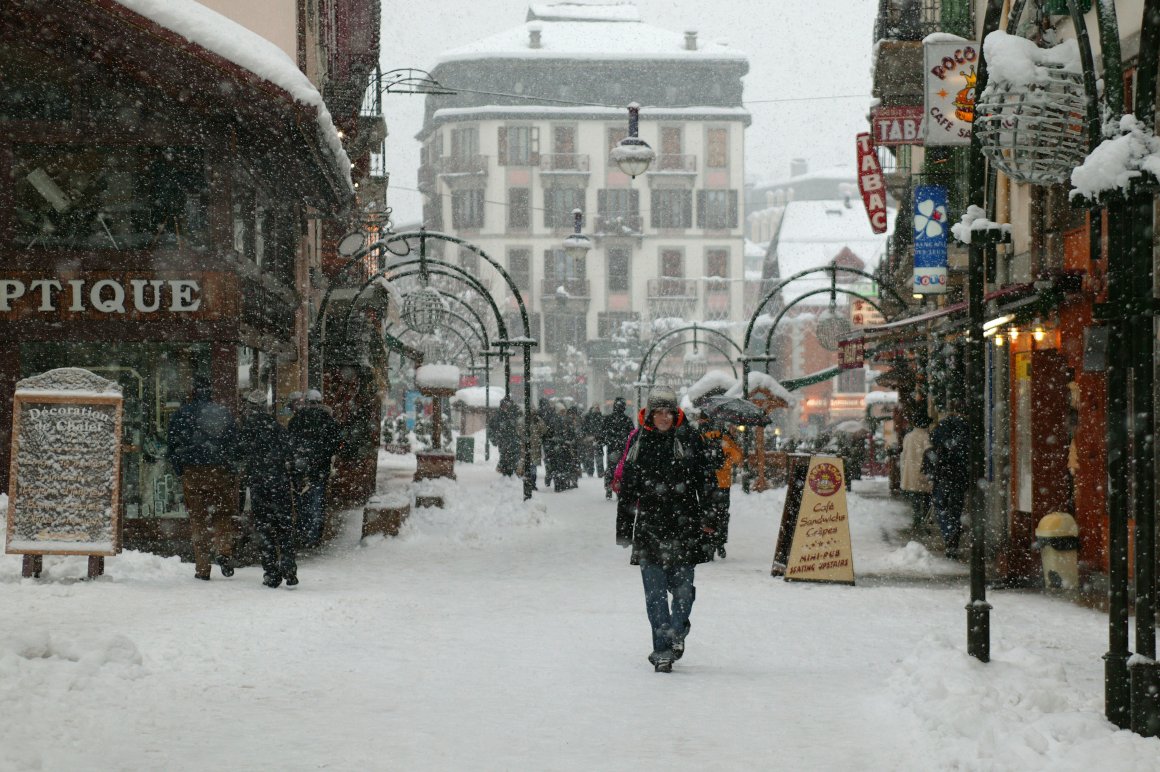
(496, 634)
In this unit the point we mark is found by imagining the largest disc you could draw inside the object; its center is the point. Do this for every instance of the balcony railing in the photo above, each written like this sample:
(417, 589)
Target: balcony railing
(463, 164)
(671, 287)
(672, 162)
(564, 162)
(619, 224)
(575, 288)
(913, 20)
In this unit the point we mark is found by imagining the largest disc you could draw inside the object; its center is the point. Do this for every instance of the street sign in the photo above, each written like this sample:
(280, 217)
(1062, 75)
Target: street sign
(895, 126)
(871, 183)
(862, 314)
(930, 240)
(852, 353)
(949, 104)
(813, 543)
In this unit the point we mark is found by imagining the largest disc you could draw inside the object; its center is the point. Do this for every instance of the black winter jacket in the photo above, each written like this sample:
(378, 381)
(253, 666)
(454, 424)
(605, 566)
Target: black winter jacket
(664, 473)
(315, 437)
(201, 433)
(264, 447)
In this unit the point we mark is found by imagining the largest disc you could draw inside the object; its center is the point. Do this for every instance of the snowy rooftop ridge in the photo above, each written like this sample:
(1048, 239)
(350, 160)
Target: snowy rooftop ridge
(590, 40)
(572, 10)
(226, 38)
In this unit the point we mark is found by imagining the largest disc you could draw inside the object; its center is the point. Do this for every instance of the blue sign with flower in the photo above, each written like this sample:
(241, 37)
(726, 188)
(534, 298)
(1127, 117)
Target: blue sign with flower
(930, 239)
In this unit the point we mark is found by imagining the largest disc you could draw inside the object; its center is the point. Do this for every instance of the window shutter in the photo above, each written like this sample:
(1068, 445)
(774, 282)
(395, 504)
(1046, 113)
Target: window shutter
(634, 201)
(687, 213)
(702, 196)
(732, 221)
(503, 146)
(654, 218)
(602, 202)
(549, 264)
(534, 145)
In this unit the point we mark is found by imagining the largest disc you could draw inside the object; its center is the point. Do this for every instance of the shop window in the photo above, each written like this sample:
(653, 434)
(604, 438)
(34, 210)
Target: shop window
(108, 198)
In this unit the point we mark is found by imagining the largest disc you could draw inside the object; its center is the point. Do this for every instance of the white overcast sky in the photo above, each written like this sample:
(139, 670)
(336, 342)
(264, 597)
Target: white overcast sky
(797, 49)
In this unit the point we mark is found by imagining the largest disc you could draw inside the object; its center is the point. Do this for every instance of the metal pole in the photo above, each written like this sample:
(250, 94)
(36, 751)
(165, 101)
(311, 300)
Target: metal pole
(529, 472)
(978, 609)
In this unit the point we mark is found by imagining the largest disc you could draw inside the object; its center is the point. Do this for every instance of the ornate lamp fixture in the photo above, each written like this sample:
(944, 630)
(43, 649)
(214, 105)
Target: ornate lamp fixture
(695, 363)
(424, 310)
(1034, 129)
(576, 246)
(830, 327)
(632, 154)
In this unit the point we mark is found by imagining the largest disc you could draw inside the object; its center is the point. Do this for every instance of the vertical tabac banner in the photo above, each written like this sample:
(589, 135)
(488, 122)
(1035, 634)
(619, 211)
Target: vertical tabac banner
(871, 184)
(949, 102)
(930, 240)
(821, 550)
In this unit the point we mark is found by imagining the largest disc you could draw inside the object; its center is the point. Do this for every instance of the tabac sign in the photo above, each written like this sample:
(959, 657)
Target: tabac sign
(949, 105)
(871, 183)
(116, 296)
(894, 126)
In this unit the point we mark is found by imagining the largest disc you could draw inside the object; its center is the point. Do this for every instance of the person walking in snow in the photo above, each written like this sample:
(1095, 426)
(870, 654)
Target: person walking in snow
(504, 430)
(951, 441)
(722, 453)
(664, 473)
(592, 452)
(912, 480)
(314, 436)
(201, 443)
(613, 435)
(265, 452)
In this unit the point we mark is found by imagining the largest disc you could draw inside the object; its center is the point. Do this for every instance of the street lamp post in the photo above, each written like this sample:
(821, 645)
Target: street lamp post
(632, 154)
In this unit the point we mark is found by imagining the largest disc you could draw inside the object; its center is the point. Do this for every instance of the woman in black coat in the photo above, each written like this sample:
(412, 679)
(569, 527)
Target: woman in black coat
(664, 473)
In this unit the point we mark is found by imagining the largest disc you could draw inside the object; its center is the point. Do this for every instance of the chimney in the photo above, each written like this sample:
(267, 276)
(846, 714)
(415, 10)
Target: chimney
(798, 167)
(534, 36)
(691, 40)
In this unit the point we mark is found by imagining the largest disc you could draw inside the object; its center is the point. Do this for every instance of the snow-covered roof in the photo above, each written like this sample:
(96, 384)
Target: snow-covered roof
(475, 396)
(813, 233)
(599, 36)
(611, 10)
(228, 39)
(713, 379)
(759, 380)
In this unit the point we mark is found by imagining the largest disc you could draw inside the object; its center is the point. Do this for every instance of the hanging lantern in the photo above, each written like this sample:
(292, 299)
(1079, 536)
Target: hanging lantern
(1035, 131)
(424, 310)
(632, 154)
(829, 328)
(696, 365)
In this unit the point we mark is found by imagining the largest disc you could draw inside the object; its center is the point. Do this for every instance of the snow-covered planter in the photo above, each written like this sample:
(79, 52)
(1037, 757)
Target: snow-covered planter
(1118, 160)
(1032, 118)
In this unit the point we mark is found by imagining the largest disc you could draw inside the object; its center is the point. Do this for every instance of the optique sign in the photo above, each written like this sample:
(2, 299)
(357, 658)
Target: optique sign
(871, 183)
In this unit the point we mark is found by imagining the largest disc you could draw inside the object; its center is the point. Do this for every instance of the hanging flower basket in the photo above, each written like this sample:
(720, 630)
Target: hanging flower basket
(1032, 118)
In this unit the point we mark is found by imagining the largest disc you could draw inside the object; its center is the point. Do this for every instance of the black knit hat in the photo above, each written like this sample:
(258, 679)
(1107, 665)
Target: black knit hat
(662, 399)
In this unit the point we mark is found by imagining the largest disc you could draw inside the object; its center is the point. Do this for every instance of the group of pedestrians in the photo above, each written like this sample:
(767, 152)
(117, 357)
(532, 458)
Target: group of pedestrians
(283, 473)
(935, 471)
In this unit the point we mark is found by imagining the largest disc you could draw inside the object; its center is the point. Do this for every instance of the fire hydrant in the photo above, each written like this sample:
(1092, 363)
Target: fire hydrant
(1057, 539)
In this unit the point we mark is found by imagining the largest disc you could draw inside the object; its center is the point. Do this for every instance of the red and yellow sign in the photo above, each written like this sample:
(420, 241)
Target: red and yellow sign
(871, 183)
(820, 550)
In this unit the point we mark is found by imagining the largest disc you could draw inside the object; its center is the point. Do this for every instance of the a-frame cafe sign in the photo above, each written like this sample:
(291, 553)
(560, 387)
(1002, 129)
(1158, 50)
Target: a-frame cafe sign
(64, 478)
(813, 543)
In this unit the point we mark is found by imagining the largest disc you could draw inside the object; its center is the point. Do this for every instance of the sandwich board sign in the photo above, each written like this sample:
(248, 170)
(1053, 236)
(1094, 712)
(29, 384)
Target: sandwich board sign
(64, 475)
(813, 543)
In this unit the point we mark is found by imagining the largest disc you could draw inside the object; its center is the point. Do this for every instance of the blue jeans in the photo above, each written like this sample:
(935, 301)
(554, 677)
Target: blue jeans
(659, 582)
(309, 498)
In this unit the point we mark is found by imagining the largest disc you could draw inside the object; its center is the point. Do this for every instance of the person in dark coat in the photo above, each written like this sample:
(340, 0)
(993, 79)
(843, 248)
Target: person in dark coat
(265, 452)
(314, 438)
(951, 442)
(592, 453)
(614, 433)
(201, 444)
(665, 474)
(504, 429)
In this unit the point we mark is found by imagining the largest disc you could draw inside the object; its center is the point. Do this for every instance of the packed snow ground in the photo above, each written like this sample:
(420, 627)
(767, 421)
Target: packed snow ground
(501, 635)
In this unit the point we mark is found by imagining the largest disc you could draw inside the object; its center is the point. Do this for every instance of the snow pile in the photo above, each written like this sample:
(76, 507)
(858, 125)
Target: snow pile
(471, 516)
(437, 377)
(975, 219)
(882, 398)
(230, 40)
(130, 565)
(1117, 161)
(474, 396)
(1016, 61)
(714, 379)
